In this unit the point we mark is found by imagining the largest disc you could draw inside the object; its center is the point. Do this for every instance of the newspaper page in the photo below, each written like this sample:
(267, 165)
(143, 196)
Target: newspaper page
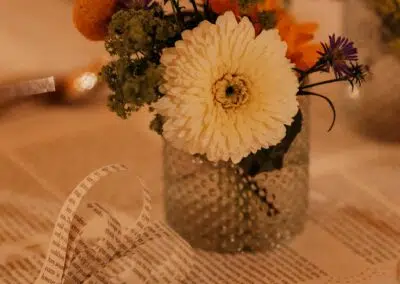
(351, 236)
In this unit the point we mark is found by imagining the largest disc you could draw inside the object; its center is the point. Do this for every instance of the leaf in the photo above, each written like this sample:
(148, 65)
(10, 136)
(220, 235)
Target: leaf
(272, 158)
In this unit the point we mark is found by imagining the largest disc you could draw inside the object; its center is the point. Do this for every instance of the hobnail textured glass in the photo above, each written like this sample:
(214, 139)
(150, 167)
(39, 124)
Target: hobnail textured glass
(214, 206)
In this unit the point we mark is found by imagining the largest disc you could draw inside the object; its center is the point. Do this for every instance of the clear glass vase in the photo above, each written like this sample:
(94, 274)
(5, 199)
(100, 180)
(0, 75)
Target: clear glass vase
(372, 110)
(214, 206)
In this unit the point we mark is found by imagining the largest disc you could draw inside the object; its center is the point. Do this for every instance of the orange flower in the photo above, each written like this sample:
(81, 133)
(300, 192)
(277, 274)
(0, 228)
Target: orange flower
(298, 36)
(91, 17)
(222, 6)
(269, 5)
(253, 16)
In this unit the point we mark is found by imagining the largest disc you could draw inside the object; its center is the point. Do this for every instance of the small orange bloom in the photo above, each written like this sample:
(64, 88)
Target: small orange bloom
(269, 5)
(91, 17)
(298, 36)
(222, 6)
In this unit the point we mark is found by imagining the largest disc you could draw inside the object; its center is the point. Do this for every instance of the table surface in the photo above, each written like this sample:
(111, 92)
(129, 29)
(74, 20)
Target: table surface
(48, 149)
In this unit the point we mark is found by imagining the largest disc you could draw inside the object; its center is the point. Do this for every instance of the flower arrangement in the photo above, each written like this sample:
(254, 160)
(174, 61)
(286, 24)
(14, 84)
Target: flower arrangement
(221, 77)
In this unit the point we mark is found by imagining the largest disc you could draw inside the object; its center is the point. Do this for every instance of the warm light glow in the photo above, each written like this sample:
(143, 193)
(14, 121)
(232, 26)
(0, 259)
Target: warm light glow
(85, 82)
(354, 93)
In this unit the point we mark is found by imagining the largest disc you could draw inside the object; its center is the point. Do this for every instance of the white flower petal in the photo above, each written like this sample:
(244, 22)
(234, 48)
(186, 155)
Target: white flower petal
(197, 121)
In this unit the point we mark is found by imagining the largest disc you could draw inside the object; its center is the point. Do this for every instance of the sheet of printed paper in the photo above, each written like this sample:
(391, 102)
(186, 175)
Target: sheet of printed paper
(351, 237)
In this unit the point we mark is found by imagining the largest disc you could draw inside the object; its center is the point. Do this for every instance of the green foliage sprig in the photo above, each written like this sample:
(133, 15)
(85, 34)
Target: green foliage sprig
(136, 39)
(267, 19)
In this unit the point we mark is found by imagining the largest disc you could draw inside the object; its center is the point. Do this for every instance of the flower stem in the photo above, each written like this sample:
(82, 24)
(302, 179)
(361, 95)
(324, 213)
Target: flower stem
(177, 13)
(324, 82)
(307, 72)
(206, 6)
(299, 71)
(196, 11)
(308, 93)
(315, 68)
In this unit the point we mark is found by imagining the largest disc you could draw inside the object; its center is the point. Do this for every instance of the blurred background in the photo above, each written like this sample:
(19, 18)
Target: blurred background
(53, 144)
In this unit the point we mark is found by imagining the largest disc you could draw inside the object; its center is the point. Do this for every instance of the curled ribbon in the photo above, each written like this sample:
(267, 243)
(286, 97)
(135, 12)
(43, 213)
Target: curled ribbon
(102, 251)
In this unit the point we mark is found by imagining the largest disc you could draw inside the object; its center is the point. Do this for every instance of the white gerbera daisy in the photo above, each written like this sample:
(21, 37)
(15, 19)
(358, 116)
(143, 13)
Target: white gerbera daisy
(227, 92)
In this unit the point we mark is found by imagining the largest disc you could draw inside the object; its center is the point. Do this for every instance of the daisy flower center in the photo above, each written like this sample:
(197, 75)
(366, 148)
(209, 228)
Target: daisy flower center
(231, 91)
(338, 55)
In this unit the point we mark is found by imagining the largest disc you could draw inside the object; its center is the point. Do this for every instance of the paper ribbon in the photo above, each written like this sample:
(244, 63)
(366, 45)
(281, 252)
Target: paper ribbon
(143, 253)
(27, 88)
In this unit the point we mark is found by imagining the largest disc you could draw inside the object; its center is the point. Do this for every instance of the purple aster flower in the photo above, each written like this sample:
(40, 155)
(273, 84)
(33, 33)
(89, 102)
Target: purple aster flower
(359, 73)
(337, 54)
